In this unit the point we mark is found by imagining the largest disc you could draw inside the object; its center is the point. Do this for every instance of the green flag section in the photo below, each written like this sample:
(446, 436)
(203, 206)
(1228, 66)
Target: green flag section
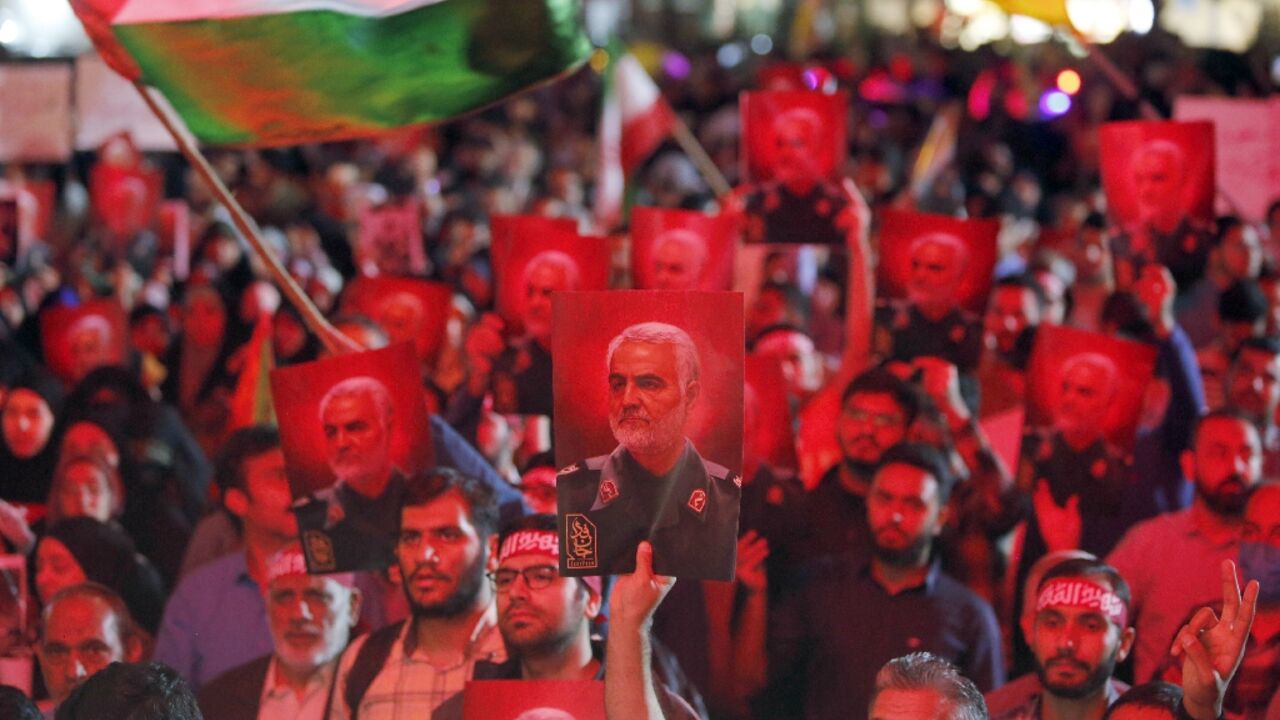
(270, 72)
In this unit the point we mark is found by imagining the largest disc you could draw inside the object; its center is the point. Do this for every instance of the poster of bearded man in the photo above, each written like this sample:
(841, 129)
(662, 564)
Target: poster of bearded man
(352, 428)
(648, 431)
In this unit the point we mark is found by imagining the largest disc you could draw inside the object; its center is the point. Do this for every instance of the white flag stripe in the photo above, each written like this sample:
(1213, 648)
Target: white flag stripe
(156, 11)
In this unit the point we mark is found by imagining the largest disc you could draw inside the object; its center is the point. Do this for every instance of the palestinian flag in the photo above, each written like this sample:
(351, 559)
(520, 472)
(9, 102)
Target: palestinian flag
(634, 121)
(263, 72)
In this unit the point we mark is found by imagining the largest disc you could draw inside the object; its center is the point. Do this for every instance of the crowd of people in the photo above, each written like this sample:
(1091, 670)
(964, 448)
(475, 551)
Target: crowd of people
(891, 559)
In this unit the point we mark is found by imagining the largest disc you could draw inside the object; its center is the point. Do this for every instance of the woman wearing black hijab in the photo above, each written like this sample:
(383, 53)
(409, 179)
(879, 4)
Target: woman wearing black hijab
(28, 448)
(103, 553)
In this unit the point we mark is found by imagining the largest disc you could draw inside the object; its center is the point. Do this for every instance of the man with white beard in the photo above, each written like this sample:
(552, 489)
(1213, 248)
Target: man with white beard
(654, 486)
(311, 617)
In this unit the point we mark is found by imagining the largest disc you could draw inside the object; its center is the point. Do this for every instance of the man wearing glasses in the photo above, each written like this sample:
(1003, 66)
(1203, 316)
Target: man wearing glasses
(545, 619)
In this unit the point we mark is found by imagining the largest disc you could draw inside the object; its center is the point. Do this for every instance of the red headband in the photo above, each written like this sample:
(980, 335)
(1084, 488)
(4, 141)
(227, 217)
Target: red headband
(538, 542)
(1083, 593)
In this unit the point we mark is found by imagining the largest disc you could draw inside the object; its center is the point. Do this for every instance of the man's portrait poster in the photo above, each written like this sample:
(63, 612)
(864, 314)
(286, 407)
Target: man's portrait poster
(680, 250)
(533, 700)
(1085, 394)
(352, 428)
(533, 266)
(78, 339)
(648, 432)
(389, 241)
(923, 254)
(408, 309)
(1158, 173)
(785, 132)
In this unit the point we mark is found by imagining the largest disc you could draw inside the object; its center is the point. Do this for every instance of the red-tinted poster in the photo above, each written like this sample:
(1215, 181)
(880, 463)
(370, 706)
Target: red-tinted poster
(925, 256)
(390, 241)
(352, 429)
(648, 407)
(1158, 173)
(535, 266)
(533, 700)
(680, 250)
(793, 133)
(409, 310)
(78, 339)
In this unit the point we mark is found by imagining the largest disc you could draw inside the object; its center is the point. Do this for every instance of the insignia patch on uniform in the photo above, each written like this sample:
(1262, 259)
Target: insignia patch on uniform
(571, 469)
(608, 492)
(319, 551)
(581, 551)
(1099, 469)
(698, 501)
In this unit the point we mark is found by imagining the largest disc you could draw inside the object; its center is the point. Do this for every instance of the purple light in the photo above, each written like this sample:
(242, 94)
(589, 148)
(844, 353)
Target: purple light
(1054, 103)
(675, 65)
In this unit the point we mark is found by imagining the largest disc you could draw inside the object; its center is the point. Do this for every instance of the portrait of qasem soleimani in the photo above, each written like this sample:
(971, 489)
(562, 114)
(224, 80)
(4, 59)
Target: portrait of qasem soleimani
(351, 435)
(654, 485)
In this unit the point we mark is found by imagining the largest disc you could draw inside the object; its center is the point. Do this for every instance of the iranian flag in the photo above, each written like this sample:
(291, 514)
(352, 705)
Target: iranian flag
(634, 121)
(264, 72)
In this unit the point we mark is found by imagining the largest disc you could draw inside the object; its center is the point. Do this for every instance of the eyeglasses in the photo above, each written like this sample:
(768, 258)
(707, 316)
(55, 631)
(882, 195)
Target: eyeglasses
(536, 577)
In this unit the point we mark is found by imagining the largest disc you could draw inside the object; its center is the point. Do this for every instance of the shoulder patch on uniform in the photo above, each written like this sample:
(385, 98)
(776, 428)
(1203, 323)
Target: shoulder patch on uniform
(608, 492)
(698, 501)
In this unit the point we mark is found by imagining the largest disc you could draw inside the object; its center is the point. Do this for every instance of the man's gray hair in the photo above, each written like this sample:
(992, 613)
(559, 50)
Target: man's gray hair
(945, 239)
(1098, 361)
(688, 239)
(555, 259)
(926, 671)
(687, 364)
(361, 385)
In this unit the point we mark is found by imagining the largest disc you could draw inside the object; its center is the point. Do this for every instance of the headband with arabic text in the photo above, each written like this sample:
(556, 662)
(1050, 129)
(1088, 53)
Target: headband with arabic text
(1083, 593)
(538, 542)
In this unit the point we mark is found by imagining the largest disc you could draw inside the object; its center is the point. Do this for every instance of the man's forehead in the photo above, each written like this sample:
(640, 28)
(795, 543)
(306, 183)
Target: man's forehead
(878, 401)
(636, 356)
(528, 560)
(1226, 430)
(298, 581)
(546, 274)
(357, 403)
(79, 616)
(447, 510)
(902, 479)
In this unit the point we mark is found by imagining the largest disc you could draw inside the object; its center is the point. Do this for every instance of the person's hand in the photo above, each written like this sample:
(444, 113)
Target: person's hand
(1059, 524)
(941, 381)
(636, 596)
(1155, 288)
(15, 530)
(1212, 647)
(750, 573)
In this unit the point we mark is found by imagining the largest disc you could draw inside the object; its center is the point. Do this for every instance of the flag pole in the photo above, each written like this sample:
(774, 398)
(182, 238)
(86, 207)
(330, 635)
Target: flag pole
(687, 142)
(333, 340)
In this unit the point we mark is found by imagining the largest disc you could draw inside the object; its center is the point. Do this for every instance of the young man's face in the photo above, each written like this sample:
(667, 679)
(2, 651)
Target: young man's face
(1225, 464)
(543, 619)
(905, 513)
(1253, 385)
(869, 424)
(441, 556)
(268, 495)
(1076, 649)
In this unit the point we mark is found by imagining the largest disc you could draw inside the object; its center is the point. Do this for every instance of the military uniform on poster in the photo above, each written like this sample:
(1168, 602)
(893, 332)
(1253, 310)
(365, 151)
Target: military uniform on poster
(343, 530)
(608, 504)
(904, 333)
